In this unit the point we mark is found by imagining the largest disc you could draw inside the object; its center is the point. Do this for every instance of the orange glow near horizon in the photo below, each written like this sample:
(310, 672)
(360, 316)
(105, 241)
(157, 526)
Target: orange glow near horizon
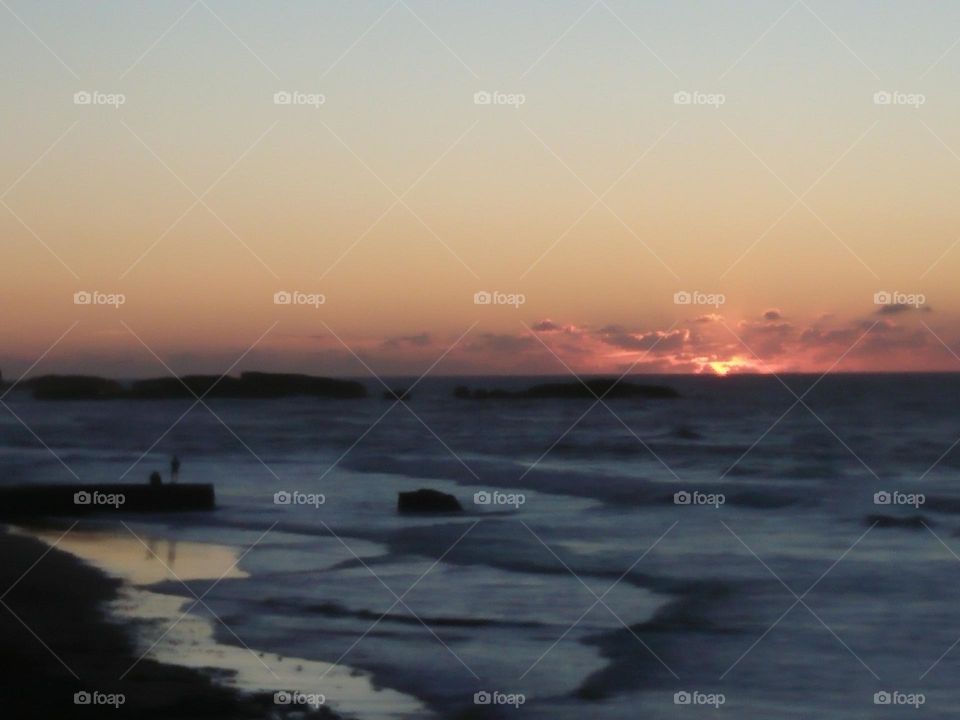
(725, 367)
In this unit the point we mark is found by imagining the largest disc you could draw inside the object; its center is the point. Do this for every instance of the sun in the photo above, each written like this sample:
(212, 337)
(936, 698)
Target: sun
(723, 367)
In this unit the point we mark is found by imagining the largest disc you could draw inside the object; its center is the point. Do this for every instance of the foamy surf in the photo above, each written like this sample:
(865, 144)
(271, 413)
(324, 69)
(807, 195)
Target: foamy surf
(170, 628)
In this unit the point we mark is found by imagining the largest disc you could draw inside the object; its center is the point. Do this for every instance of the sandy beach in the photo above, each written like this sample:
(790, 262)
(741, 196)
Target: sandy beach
(56, 642)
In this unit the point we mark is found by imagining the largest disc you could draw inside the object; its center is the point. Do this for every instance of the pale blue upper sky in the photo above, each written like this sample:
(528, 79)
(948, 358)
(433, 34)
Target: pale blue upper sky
(501, 197)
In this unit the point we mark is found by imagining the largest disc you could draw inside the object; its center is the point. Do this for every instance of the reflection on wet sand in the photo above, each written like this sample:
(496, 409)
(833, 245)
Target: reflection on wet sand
(167, 630)
(147, 560)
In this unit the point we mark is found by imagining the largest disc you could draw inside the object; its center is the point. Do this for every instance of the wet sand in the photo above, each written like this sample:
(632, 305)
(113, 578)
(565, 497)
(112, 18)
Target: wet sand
(59, 643)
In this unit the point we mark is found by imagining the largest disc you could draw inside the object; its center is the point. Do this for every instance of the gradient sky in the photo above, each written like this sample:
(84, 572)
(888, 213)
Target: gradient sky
(598, 199)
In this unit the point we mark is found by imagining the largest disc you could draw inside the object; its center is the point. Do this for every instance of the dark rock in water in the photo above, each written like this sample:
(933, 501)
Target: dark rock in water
(912, 522)
(685, 432)
(250, 385)
(427, 501)
(48, 500)
(74, 387)
(397, 394)
(589, 389)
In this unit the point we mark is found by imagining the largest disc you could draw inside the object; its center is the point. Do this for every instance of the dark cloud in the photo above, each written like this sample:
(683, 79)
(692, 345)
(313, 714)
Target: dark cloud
(869, 341)
(546, 326)
(877, 326)
(503, 343)
(772, 314)
(817, 337)
(894, 309)
(657, 340)
(768, 339)
(897, 338)
(899, 309)
(657, 365)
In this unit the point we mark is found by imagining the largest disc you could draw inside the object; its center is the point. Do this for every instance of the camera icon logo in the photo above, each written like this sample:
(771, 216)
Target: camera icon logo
(82, 98)
(882, 298)
(482, 298)
(82, 698)
(82, 498)
(282, 498)
(882, 498)
(883, 97)
(682, 298)
(482, 98)
(681, 698)
(681, 498)
(882, 698)
(482, 698)
(82, 297)
(282, 298)
(682, 98)
(282, 697)
(482, 498)
(282, 98)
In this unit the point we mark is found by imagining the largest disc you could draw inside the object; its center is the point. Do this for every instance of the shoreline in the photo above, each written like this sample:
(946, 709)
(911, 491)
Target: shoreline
(61, 642)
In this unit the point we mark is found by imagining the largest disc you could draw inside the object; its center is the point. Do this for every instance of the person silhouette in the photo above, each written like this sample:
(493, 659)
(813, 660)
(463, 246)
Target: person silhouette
(155, 479)
(174, 468)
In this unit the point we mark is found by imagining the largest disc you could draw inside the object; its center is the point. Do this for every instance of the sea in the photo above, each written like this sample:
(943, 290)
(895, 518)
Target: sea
(758, 547)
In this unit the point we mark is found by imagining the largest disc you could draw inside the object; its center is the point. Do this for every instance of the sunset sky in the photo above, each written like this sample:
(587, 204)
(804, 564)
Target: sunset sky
(596, 194)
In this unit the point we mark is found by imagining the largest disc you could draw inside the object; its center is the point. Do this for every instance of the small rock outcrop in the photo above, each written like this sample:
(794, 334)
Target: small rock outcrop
(427, 501)
(911, 522)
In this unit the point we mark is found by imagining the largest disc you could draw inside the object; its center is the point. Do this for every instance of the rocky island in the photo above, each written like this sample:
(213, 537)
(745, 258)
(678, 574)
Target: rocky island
(250, 385)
